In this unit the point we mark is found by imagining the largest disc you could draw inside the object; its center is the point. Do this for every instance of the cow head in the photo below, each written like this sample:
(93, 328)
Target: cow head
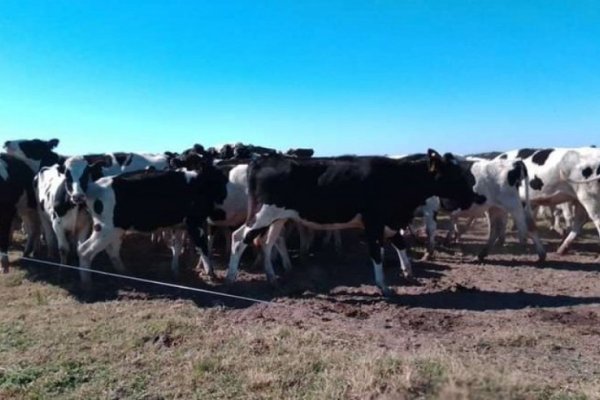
(452, 181)
(35, 153)
(192, 159)
(211, 184)
(78, 174)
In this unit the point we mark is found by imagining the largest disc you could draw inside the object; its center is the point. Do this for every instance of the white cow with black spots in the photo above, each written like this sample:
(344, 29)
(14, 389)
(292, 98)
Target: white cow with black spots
(559, 175)
(498, 181)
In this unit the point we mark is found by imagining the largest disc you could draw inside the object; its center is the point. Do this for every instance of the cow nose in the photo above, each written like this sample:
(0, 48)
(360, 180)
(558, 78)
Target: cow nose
(78, 198)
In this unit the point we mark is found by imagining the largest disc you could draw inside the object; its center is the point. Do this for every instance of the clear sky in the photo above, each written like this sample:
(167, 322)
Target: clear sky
(380, 76)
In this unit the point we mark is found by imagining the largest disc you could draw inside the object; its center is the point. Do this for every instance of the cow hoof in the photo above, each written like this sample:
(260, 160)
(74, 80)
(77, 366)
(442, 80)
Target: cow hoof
(481, 258)
(541, 258)
(386, 291)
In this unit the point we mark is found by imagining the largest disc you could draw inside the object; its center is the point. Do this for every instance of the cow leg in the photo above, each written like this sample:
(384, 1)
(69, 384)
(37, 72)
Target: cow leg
(31, 222)
(113, 249)
(63, 242)
(7, 214)
(176, 244)
(523, 220)
(49, 236)
(580, 217)
(592, 207)
(497, 220)
(374, 233)
(281, 247)
(242, 237)
(271, 239)
(100, 239)
(198, 235)
(430, 228)
(400, 246)
(238, 245)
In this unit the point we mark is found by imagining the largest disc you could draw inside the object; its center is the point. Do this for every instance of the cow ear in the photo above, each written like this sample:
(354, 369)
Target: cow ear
(52, 143)
(96, 170)
(434, 161)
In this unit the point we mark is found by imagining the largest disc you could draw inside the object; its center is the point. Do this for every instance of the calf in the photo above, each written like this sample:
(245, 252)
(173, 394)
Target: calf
(146, 201)
(59, 215)
(16, 197)
(374, 193)
(559, 175)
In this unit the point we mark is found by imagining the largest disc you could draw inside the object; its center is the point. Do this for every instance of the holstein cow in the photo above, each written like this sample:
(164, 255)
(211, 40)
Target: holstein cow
(35, 153)
(61, 218)
(559, 175)
(78, 172)
(148, 200)
(374, 193)
(499, 181)
(16, 197)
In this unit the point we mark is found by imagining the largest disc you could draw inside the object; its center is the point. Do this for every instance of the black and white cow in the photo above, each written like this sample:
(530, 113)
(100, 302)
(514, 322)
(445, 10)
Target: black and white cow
(377, 194)
(65, 224)
(35, 153)
(16, 197)
(148, 200)
(559, 175)
(499, 181)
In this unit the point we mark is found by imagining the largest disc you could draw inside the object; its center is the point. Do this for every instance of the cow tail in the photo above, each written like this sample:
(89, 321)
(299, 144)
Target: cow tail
(527, 206)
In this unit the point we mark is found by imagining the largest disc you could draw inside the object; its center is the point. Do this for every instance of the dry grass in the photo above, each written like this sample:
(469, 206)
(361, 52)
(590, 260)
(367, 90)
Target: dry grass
(52, 346)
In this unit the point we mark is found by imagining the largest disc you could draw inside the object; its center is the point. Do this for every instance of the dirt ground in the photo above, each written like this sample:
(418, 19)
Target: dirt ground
(508, 328)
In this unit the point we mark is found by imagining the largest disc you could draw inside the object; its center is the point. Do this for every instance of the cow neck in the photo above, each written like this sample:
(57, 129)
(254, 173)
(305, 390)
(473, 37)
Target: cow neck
(49, 160)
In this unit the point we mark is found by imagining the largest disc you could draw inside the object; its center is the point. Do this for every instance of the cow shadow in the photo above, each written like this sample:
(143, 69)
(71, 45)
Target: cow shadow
(473, 299)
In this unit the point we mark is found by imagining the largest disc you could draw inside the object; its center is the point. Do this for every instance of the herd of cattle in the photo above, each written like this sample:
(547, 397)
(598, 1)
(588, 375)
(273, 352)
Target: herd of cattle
(82, 205)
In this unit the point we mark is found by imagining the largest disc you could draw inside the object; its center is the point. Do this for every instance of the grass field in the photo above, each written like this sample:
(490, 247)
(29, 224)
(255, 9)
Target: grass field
(477, 341)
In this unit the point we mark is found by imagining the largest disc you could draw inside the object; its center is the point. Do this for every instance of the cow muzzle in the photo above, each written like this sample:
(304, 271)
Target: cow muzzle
(78, 199)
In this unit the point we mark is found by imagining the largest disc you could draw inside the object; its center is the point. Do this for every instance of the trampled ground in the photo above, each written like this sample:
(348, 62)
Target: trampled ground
(509, 329)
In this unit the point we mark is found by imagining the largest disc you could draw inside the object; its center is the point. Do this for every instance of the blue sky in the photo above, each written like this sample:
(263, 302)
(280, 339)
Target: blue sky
(386, 77)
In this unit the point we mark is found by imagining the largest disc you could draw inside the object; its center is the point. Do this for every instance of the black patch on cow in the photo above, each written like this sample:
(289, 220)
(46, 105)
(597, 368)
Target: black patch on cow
(62, 201)
(598, 170)
(541, 156)
(517, 174)
(587, 172)
(504, 156)
(98, 206)
(122, 158)
(524, 153)
(514, 177)
(97, 227)
(536, 183)
(103, 159)
(41, 150)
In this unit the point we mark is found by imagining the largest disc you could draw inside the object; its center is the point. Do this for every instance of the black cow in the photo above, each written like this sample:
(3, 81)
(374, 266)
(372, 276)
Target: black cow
(148, 200)
(16, 197)
(375, 193)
